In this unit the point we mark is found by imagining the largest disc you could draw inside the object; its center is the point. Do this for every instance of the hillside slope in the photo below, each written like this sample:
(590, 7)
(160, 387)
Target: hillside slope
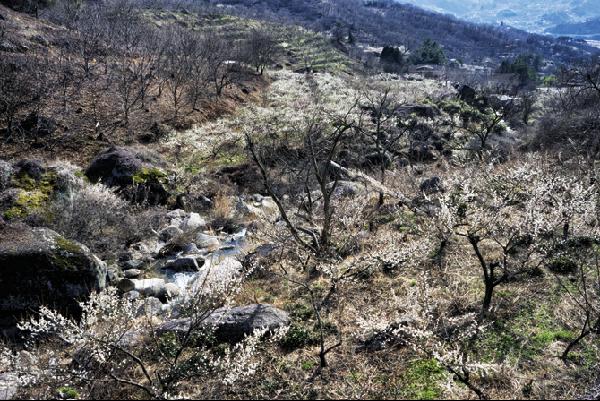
(384, 22)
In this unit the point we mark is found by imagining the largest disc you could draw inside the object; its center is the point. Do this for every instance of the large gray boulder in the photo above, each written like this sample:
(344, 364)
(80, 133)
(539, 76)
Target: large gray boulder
(40, 267)
(232, 325)
(114, 166)
(120, 167)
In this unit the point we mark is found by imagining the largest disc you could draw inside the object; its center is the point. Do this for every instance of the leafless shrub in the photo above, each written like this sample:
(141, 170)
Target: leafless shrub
(94, 215)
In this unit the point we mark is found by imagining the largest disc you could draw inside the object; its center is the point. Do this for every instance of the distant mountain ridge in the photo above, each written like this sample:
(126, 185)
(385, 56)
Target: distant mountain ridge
(532, 15)
(590, 27)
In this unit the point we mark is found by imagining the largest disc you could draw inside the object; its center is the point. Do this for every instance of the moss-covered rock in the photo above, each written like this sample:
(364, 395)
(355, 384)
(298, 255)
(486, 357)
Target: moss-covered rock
(120, 167)
(40, 267)
(34, 186)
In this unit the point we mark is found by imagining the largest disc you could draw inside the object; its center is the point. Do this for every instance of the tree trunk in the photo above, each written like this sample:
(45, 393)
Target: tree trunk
(487, 297)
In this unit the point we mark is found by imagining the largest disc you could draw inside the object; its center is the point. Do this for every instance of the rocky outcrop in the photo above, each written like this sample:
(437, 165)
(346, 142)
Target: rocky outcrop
(258, 206)
(114, 166)
(122, 168)
(232, 325)
(40, 267)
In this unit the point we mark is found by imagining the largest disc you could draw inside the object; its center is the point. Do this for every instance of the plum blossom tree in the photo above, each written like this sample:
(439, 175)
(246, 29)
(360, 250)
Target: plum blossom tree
(513, 213)
(118, 341)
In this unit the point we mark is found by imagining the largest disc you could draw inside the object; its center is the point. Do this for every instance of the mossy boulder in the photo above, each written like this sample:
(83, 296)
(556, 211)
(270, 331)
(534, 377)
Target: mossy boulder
(114, 166)
(40, 267)
(122, 168)
(30, 189)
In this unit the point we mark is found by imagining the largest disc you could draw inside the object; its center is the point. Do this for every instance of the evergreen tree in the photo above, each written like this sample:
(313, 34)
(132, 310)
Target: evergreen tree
(430, 52)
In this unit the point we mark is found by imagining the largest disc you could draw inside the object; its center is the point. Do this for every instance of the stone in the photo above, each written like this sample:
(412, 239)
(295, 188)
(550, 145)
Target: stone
(179, 327)
(126, 285)
(132, 295)
(32, 168)
(170, 232)
(113, 274)
(149, 287)
(177, 222)
(207, 242)
(173, 290)
(185, 264)
(349, 189)
(132, 273)
(175, 214)
(114, 166)
(190, 249)
(133, 264)
(40, 267)
(232, 325)
(261, 255)
(193, 222)
(151, 306)
(216, 270)
(264, 209)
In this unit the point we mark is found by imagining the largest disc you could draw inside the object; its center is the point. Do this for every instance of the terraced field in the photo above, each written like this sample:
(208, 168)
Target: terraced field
(302, 49)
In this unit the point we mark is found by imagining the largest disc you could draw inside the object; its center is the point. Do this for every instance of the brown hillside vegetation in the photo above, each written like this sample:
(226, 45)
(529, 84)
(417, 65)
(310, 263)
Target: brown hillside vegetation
(196, 204)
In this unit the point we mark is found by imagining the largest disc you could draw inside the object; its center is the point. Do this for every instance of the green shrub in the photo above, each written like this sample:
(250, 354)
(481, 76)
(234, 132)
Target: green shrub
(297, 337)
(68, 393)
(300, 311)
(562, 265)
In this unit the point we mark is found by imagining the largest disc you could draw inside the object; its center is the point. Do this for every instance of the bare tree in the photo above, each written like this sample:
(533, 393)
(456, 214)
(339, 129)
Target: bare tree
(382, 128)
(22, 87)
(260, 49)
(321, 142)
(180, 53)
(572, 120)
(482, 123)
(219, 55)
(132, 62)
